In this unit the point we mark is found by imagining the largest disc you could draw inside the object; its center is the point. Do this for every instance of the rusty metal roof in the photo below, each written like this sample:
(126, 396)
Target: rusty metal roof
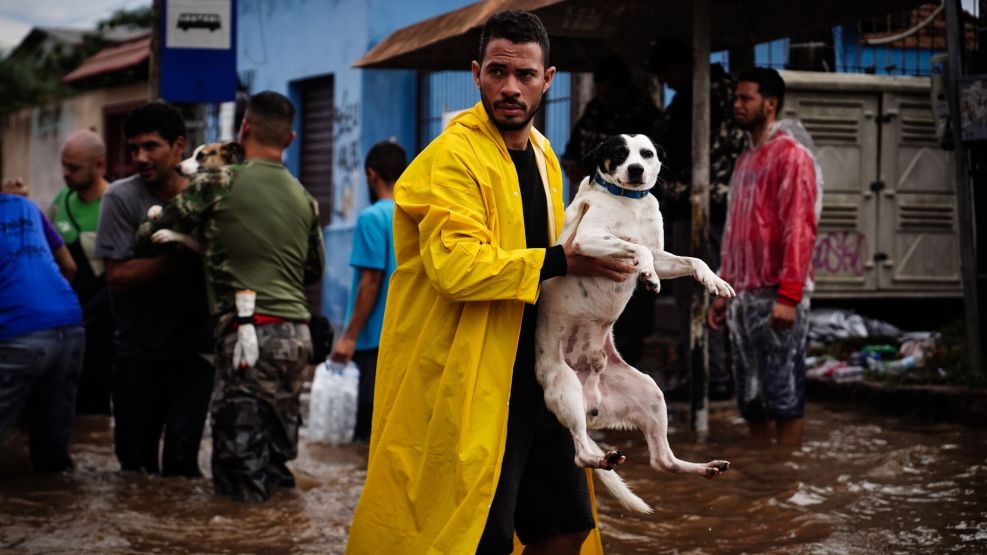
(112, 59)
(585, 31)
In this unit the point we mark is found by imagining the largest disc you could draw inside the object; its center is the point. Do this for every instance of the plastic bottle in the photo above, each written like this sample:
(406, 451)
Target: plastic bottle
(318, 413)
(895, 367)
(332, 406)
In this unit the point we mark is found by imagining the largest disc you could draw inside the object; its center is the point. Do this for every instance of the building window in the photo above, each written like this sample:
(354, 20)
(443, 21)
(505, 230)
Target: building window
(315, 141)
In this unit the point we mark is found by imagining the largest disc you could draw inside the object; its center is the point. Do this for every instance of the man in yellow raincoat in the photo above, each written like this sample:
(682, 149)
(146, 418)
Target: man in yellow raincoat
(463, 452)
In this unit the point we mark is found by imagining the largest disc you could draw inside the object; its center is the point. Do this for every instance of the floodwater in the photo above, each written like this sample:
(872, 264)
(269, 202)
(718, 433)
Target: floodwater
(862, 483)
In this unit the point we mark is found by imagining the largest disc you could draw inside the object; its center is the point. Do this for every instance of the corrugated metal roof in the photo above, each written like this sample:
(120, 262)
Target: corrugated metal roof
(584, 31)
(111, 59)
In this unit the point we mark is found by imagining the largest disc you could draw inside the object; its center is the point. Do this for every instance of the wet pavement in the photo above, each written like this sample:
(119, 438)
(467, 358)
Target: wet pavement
(862, 483)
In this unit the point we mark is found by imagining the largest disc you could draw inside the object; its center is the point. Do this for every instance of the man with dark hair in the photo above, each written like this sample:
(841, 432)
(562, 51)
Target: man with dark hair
(373, 263)
(262, 247)
(671, 61)
(160, 381)
(767, 250)
(463, 451)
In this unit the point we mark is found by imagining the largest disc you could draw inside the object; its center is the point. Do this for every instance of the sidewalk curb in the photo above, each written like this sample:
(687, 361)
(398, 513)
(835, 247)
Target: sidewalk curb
(934, 403)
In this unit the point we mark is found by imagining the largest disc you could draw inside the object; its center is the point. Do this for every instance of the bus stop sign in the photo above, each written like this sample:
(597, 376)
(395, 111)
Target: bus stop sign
(198, 50)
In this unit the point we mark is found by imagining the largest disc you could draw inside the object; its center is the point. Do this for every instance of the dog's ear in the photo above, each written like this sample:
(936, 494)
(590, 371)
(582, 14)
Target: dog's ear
(594, 158)
(662, 157)
(235, 150)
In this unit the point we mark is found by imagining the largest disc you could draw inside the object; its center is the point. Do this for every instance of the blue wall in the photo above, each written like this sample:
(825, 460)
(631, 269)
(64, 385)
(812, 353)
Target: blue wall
(282, 43)
(852, 57)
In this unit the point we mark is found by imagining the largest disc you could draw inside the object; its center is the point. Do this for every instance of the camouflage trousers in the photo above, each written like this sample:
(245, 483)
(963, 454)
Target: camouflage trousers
(256, 413)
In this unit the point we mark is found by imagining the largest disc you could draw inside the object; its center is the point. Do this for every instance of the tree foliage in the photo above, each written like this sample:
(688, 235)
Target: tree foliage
(29, 78)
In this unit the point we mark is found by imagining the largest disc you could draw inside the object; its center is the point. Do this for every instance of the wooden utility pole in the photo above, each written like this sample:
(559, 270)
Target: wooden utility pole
(154, 63)
(699, 356)
(955, 33)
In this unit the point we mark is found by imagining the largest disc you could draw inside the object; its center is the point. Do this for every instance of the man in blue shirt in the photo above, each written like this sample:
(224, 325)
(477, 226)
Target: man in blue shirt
(41, 335)
(373, 262)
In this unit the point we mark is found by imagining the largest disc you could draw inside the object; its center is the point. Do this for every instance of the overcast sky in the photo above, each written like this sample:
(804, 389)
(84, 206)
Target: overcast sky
(17, 17)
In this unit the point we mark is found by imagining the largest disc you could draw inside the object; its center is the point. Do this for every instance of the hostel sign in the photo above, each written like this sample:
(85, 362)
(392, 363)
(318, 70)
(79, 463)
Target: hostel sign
(198, 50)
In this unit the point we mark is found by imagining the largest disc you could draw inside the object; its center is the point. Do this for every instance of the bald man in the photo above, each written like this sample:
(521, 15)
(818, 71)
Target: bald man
(75, 215)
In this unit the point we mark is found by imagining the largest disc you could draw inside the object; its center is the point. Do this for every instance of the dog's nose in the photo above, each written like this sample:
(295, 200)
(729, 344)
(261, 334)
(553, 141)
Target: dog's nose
(635, 171)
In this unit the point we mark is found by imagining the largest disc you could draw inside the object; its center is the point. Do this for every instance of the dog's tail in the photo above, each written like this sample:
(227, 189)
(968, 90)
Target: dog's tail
(619, 490)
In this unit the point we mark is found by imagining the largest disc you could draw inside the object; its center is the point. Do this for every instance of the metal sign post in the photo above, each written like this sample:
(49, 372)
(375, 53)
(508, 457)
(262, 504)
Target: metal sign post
(964, 192)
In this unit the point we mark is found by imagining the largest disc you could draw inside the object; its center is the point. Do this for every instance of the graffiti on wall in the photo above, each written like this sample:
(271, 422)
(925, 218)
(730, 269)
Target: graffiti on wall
(348, 165)
(840, 253)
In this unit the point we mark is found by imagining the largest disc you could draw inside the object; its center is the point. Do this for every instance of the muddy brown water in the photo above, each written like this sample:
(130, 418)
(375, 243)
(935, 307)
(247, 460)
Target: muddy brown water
(862, 483)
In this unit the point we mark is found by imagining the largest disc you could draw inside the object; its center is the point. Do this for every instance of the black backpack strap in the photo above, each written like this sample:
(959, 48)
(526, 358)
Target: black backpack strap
(86, 283)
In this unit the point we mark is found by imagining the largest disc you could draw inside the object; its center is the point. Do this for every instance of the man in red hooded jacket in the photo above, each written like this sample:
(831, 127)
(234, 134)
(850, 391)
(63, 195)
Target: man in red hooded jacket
(767, 250)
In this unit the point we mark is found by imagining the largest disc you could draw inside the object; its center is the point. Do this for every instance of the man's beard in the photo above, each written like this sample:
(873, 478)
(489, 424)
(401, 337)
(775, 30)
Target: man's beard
(510, 125)
(81, 187)
(759, 118)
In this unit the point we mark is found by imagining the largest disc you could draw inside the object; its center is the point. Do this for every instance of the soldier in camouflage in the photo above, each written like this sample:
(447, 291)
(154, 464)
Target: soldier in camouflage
(671, 61)
(617, 108)
(260, 231)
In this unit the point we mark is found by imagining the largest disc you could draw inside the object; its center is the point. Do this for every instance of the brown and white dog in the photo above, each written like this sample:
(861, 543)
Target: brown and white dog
(205, 157)
(587, 384)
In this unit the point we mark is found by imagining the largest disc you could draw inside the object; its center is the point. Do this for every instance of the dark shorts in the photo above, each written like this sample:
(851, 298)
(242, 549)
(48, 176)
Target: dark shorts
(769, 366)
(541, 491)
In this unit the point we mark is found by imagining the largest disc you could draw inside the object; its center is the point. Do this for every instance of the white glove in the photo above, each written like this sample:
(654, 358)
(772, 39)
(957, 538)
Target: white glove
(246, 350)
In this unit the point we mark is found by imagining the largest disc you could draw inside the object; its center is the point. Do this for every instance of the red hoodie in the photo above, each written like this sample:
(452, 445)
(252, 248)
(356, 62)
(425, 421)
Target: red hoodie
(771, 221)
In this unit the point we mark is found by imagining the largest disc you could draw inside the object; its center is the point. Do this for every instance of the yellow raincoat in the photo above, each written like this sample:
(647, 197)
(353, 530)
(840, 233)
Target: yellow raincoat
(447, 347)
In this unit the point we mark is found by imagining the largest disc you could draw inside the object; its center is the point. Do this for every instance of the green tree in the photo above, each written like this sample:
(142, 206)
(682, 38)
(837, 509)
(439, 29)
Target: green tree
(32, 78)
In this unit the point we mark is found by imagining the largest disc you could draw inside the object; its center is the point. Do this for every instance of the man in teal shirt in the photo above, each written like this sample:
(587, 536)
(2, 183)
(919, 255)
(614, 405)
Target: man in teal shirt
(75, 215)
(373, 263)
(261, 239)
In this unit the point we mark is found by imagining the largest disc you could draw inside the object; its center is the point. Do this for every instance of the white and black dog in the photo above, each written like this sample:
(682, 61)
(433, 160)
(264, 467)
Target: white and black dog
(587, 384)
(206, 157)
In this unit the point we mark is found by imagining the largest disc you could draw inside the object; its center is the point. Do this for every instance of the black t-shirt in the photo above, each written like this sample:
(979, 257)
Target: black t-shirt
(535, 206)
(166, 317)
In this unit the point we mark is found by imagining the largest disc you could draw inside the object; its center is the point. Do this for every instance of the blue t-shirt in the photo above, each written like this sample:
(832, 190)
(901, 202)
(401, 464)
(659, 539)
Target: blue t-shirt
(34, 295)
(373, 249)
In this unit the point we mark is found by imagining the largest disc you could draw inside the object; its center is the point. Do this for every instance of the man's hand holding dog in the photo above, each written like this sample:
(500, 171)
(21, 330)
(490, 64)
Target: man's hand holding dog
(581, 265)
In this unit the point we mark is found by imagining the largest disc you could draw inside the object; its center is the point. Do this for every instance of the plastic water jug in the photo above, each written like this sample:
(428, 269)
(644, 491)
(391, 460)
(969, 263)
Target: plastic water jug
(332, 404)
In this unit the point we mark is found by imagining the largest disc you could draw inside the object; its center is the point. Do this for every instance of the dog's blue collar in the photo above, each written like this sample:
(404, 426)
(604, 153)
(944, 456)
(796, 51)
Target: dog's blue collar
(619, 191)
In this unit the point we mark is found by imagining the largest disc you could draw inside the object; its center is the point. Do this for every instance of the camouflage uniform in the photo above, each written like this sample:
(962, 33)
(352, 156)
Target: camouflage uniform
(258, 410)
(189, 213)
(727, 142)
(255, 412)
(637, 115)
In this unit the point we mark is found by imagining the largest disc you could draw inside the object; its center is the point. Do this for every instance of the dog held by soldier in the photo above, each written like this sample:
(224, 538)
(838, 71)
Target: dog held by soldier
(587, 384)
(208, 157)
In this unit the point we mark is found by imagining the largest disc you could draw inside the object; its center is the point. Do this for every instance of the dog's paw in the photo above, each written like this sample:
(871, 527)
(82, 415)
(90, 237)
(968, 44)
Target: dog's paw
(611, 459)
(714, 284)
(154, 212)
(715, 468)
(651, 282)
(165, 236)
